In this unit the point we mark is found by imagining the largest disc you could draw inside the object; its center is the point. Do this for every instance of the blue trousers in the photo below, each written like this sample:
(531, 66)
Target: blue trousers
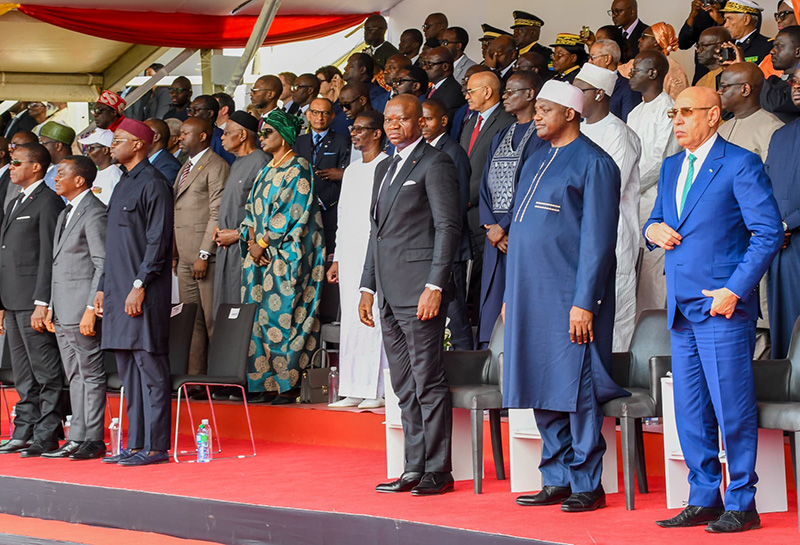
(572, 442)
(714, 388)
(146, 379)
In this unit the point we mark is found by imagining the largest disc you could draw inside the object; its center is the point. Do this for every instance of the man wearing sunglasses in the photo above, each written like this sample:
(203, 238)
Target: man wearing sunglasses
(438, 64)
(375, 38)
(181, 93)
(206, 107)
(456, 39)
(411, 81)
(361, 68)
(108, 110)
(714, 191)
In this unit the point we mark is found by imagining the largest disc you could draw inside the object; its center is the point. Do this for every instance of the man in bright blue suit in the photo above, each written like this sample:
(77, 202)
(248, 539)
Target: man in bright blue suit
(718, 221)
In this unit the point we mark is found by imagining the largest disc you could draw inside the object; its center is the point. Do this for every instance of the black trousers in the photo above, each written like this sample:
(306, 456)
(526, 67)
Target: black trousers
(414, 350)
(460, 327)
(146, 379)
(38, 377)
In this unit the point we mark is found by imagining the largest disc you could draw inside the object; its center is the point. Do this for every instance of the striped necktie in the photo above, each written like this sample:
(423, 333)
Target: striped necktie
(185, 174)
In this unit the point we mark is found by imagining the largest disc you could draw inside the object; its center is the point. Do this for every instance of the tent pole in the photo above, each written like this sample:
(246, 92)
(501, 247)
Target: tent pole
(264, 21)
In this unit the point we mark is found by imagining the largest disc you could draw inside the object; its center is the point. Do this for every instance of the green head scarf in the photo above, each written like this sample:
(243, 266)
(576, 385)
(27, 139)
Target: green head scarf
(287, 125)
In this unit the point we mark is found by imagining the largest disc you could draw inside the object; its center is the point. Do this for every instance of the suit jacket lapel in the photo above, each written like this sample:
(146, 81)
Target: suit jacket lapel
(21, 207)
(708, 170)
(489, 122)
(77, 215)
(193, 173)
(380, 172)
(400, 177)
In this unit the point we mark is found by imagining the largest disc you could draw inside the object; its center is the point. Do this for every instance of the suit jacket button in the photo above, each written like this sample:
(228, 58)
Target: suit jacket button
(379, 239)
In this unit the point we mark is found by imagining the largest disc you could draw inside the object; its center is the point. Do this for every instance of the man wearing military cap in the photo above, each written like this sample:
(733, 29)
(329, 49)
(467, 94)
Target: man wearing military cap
(742, 19)
(58, 139)
(490, 33)
(527, 28)
(569, 54)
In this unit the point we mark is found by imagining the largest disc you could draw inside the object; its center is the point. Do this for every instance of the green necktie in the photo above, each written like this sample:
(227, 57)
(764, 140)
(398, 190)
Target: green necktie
(688, 185)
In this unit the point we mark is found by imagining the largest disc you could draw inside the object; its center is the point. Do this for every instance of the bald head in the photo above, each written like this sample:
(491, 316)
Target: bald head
(698, 111)
(195, 135)
(161, 137)
(484, 91)
(502, 52)
(649, 70)
(740, 88)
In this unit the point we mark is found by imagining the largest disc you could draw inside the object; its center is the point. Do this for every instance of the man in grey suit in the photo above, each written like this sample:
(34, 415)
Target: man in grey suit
(415, 232)
(79, 253)
(483, 96)
(26, 263)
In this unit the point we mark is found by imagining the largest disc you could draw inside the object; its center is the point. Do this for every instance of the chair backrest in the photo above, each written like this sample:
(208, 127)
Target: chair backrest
(794, 357)
(329, 304)
(227, 351)
(650, 338)
(181, 327)
(494, 373)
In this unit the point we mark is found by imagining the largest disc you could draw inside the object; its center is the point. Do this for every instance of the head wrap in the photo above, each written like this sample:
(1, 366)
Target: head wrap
(742, 6)
(113, 101)
(562, 93)
(287, 125)
(598, 77)
(240, 117)
(58, 132)
(665, 37)
(98, 136)
(788, 3)
(137, 129)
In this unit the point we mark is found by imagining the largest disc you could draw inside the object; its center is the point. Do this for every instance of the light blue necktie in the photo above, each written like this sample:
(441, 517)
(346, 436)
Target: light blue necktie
(688, 185)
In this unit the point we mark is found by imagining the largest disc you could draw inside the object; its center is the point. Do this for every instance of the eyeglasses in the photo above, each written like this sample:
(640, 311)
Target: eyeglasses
(348, 105)
(193, 110)
(173, 90)
(117, 141)
(373, 28)
(98, 110)
(558, 55)
(17, 162)
(509, 92)
(356, 129)
(298, 87)
(724, 86)
(429, 64)
(47, 142)
(426, 26)
(781, 15)
(470, 91)
(685, 112)
(613, 12)
(399, 82)
(593, 57)
(33, 105)
(323, 113)
(706, 46)
(265, 132)
(445, 43)
(94, 147)
(254, 90)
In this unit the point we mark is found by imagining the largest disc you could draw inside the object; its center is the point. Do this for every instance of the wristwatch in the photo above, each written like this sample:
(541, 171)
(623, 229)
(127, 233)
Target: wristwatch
(204, 256)
(138, 284)
(785, 227)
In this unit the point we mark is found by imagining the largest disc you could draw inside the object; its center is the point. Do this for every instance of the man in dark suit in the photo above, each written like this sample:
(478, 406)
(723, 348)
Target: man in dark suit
(6, 186)
(328, 153)
(606, 54)
(438, 64)
(411, 81)
(416, 227)
(361, 68)
(483, 97)
(375, 37)
(134, 294)
(26, 262)
(714, 191)
(207, 107)
(78, 258)
(625, 15)
(411, 41)
(434, 125)
(159, 156)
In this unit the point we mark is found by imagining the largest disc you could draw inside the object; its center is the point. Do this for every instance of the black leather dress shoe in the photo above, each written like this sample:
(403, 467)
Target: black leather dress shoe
(124, 453)
(89, 450)
(735, 521)
(549, 495)
(13, 445)
(693, 515)
(405, 483)
(38, 448)
(580, 502)
(434, 483)
(66, 449)
(143, 458)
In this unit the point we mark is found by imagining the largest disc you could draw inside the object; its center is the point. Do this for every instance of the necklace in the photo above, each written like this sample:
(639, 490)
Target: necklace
(273, 163)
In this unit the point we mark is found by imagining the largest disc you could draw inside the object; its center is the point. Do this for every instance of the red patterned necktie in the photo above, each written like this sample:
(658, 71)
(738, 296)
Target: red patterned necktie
(185, 174)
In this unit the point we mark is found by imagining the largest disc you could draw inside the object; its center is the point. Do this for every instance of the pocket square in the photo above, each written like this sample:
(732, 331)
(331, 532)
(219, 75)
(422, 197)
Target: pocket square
(329, 153)
(410, 182)
(24, 218)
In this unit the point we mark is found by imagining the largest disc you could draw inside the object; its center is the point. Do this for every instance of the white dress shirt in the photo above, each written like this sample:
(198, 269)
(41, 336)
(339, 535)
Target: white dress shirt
(700, 153)
(74, 203)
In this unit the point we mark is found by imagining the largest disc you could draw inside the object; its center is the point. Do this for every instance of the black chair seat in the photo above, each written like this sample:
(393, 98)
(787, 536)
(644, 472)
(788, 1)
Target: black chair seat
(6, 377)
(330, 333)
(639, 404)
(179, 381)
(779, 416)
(479, 397)
(114, 382)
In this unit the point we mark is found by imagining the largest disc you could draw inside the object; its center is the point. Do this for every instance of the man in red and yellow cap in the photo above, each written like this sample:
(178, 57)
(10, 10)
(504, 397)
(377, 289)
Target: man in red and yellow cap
(108, 110)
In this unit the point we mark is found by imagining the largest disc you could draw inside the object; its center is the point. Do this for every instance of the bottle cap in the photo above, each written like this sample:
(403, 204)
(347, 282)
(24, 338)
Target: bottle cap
(204, 421)
(69, 417)
(334, 368)
(115, 420)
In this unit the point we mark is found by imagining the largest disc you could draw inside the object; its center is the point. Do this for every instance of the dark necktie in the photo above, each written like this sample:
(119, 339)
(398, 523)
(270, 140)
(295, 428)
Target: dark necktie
(317, 142)
(13, 204)
(383, 193)
(67, 210)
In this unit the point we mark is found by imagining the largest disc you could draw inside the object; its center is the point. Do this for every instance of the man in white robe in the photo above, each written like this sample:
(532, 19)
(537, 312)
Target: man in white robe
(621, 143)
(362, 358)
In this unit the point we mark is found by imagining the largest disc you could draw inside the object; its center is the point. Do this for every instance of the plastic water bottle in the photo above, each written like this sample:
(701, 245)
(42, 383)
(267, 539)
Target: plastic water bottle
(13, 417)
(204, 442)
(67, 426)
(333, 385)
(116, 440)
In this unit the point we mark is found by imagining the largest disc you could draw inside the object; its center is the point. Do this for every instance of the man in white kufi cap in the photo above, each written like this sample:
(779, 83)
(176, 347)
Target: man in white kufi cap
(621, 143)
(97, 145)
(559, 300)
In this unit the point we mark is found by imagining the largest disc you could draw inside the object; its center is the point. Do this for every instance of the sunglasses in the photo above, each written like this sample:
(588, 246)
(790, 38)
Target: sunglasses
(684, 112)
(298, 87)
(355, 129)
(173, 90)
(348, 105)
(781, 15)
(266, 132)
(429, 64)
(17, 162)
(399, 82)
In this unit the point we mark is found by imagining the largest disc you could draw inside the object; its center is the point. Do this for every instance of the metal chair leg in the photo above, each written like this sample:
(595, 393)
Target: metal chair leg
(496, 432)
(628, 458)
(641, 464)
(476, 419)
(796, 460)
(249, 423)
(177, 427)
(214, 420)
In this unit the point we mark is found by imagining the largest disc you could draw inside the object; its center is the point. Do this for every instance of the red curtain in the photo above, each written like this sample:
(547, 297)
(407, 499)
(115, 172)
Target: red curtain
(186, 29)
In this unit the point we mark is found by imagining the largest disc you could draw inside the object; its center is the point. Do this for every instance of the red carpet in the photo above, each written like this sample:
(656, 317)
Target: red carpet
(339, 479)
